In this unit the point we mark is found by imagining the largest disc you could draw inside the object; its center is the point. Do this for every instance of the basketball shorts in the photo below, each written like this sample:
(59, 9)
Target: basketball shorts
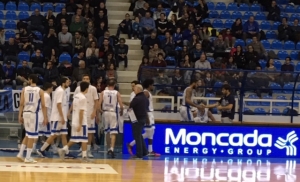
(120, 123)
(31, 124)
(186, 113)
(81, 136)
(110, 122)
(44, 130)
(58, 128)
(91, 124)
(152, 122)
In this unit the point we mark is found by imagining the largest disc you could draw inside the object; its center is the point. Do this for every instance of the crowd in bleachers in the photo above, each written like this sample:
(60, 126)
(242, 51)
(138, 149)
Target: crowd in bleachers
(55, 39)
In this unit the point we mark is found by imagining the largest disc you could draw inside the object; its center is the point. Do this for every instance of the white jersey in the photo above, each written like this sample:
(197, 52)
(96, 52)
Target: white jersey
(132, 95)
(202, 118)
(32, 99)
(183, 99)
(59, 96)
(91, 96)
(48, 106)
(110, 100)
(150, 107)
(79, 104)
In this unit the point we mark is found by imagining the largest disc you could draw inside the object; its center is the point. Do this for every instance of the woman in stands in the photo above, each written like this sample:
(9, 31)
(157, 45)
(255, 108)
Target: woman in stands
(144, 72)
(237, 29)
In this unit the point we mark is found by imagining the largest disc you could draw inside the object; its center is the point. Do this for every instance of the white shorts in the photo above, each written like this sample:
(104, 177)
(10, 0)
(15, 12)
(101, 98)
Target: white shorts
(44, 130)
(110, 122)
(152, 122)
(31, 124)
(91, 124)
(81, 136)
(120, 123)
(58, 128)
(186, 113)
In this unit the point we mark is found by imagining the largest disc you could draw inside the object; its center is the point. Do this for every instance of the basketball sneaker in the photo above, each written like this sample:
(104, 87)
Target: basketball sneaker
(30, 160)
(111, 154)
(61, 153)
(41, 153)
(153, 154)
(129, 148)
(69, 156)
(20, 157)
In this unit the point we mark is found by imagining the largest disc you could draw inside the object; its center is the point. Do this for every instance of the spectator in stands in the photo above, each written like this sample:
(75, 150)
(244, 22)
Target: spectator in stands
(194, 41)
(65, 40)
(100, 7)
(229, 38)
(172, 24)
(159, 61)
(149, 43)
(258, 47)
(188, 34)
(209, 83)
(158, 12)
(62, 15)
(22, 73)
(92, 52)
(78, 72)
(78, 14)
(105, 48)
(138, 5)
(65, 69)
(147, 25)
(251, 29)
(2, 39)
(121, 51)
(274, 12)
(88, 11)
(62, 24)
(186, 62)
(162, 78)
(243, 1)
(251, 59)
(109, 59)
(284, 30)
(270, 67)
(153, 53)
(90, 38)
(78, 41)
(220, 46)
(239, 58)
(202, 9)
(287, 67)
(177, 37)
(185, 22)
(80, 56)
(204, 33)
(174, 12)
(25, 40)
(11, 51)
(50, 42)
(162, 24)
(77, 26)
(295, 31)
(196, 52)
(237, 29)
(260, 81)
(100, 30)
(136, 28)
(168, 45)
(99, 72)
(90, 29)
(196, 16)
(125, 26)
(38, 62)
(230, 64)
(143, 72)
(36, 21)
(111, 73)
(53, 57)
(49, 25)
(9, 75)
(177, 80)
(106, 36)
(143, 11)
(49, 15)
(51, 73)
(101, 18)
(202, 63)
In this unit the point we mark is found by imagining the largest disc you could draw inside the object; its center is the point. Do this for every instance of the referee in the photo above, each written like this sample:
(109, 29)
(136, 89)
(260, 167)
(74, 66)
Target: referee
(139, 105)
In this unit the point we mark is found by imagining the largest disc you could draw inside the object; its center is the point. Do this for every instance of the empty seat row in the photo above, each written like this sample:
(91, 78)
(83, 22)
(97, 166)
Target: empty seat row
(15, 15)
(278, 64)
(233, 7)
(276, 44)
(25, 7)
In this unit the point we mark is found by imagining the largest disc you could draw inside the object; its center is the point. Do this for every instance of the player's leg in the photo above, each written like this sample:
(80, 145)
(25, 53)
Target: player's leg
(55, 131)
(91, 133)
(32, 134)
(113, 133)
(64, 133)
(20, 155)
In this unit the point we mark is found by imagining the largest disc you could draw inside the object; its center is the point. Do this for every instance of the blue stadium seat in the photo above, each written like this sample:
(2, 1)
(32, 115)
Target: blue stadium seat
(298, 46)
(171, 59)
(289, 9)
(11, 6)
(23, 56)
(259, 111)
(225, 14)
(11, 15)
(161, 37)
(35, 6)
(210, 5)
(266, 103)
(1, 15)
(244, 7)
(10, 24)
(232, 7)
(218, 85)
(293, 17)
(23, 15)
(178, 48)
(248, 14)
(167, 10)
(288, 88)
(282, 54)
(217, 23)
(275, 25)
(298, 89)
(284, 15)
(220, 6)
(65, 57)
(282, 104)
(297, 99)
(276, 44)
(289, 45)
(266, 25)
(213, 14)
(239, 42)
(236, 14)
(277, 64)
(294, 54)
(276, 88)
(228, 23)
(38, 34)
(210, 95)
(9, 34)
(23, 6)
(275, 111)
(271, 34)
(263, 64)
(298, 66)
(260, 16)
(1, 6)
(48, 6)
(246, 109)
(33, 55)
(255, 8)
(266, 44)
(206, 20)
(297, 9)
(248, 41)
(253, 103)
(1, 24)
(211, 59)
(59, 7)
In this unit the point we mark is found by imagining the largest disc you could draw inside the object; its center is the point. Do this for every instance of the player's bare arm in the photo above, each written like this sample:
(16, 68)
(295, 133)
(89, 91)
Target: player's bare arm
(121, 103)
(100, 102)
(21, 108)
(81, 113)
(94, 113)
(44, 109)
(70, 111)
(188, 97)
(147, 94)
(211, 117)
(212, 105)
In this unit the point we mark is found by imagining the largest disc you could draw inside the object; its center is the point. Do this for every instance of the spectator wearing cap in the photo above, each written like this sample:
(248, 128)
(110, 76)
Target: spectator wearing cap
(147, 25)
(51, 73)
(9, 75)
(121, 51)
(78, 41)
(36, 21)
(125, 26)
(65, 40)
(38, 62)
(22, 73)
(11, 51)
(149, 43)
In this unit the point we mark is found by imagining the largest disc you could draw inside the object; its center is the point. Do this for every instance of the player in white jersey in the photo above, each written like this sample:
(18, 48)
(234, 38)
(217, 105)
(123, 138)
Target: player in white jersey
(149, 129)
(203, 115)
(32, 98)
(92, 104)
(187, 102)
(80, 119)
(60, 107)
(109, 100)
(44, 130)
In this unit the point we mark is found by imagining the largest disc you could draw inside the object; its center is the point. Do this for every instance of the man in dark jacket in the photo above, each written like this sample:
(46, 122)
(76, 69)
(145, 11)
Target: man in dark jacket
(36, 21)
(51, 73)
(9, 75)
(23, 73)
(125, 26)
(149, 42)
(11, 51)
(274, 12)
(121, 53)
(38, 63)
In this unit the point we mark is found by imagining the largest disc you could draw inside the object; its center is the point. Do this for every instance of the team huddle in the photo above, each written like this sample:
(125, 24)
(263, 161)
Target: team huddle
(43, 116)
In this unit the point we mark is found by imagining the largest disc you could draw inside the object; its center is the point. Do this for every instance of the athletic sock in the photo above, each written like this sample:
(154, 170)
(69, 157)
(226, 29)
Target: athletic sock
(66, 148)
(132, 143)
(88, 148)
(44, 146)
(83, 154)
(150, 149)
(28, 155)
(112, 149)
(34, 146)
(22, 148)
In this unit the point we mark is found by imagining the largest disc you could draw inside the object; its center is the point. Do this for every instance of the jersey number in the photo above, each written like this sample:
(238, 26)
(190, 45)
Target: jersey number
(30, 97)
(109, 98)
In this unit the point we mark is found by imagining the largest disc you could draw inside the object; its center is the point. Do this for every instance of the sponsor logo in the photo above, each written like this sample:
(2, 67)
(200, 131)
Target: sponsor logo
(288, 143)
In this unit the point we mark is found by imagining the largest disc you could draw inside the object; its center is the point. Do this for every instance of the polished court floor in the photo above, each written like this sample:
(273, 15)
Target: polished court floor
(162, 169)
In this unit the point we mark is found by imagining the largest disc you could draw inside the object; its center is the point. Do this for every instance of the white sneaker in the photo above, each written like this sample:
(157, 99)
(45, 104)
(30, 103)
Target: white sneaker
(34, 151)
(61, 153)
(85, 159)
(80, 154)
(30, 160)
(20, 157)
(96, 147)
(89, 154)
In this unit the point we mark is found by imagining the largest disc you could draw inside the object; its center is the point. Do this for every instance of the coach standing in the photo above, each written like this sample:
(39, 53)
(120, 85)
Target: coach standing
(139, 105)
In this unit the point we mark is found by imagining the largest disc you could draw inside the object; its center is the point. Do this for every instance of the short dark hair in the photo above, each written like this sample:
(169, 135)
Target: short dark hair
(34, 78)
(47, 85)
(226, 87)
(135, 82)
(111, 83)
(148, 82)
(84, 86)
(63, 80)
(84, 75)
(193, 80)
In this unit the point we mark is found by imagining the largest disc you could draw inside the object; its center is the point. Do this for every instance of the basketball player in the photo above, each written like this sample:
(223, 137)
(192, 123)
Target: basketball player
(31, 99)
(187, 102)
(45, 130)
(92, 103)
(60, 107)
(79, 122)
(109, 100)
(203, 115)
(149, 129)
